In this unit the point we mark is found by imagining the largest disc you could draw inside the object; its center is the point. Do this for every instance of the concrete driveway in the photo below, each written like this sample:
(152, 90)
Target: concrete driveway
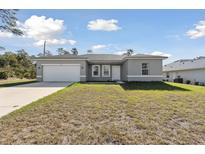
(12, 98)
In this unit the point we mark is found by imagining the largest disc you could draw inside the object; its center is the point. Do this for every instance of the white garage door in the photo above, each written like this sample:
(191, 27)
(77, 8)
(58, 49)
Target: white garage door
(70, 72)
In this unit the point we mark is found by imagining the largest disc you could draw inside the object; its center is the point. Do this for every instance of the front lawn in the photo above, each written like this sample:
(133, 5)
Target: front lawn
(13, 82)
(133, 113)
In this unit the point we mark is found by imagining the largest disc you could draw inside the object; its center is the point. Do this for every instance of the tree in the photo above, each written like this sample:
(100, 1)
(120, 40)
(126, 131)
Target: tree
(3, 61)
(130, 52)
(23, 58)
(62, 51)
(17, 64)
(10, 58)
(8, 21)
(47, 53)
(25, 67)
(32, 56)
(74, 51)
(40, 55)
(89, 51)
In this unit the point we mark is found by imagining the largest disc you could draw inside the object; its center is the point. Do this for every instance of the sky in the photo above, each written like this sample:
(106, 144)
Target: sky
(178, 34)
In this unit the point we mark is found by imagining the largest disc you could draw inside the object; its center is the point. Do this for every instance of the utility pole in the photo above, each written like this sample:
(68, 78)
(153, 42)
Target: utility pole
(44, 48)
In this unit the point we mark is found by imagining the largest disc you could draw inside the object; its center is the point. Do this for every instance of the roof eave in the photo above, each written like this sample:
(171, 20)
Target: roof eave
(199, 68)
(146, 58)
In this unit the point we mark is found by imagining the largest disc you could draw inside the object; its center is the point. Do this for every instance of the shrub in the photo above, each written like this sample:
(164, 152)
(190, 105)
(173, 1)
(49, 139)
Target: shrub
(201, 83)
(33, 75)
(178, 80)
(196, 83)
(3, 75)
(27, 75)
(19, 73)
(18, 65)
(188, 81)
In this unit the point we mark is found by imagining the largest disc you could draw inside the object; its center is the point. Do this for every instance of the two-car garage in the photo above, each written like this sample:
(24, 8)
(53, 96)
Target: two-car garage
(61, 72)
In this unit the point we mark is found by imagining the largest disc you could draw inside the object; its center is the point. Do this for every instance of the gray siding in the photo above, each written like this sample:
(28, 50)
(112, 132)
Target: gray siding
(87, 71)
(39, 67)
(124, 70)
(134, 69)
(90, 78)
(197, 75)
(130, 69)
(146, 79)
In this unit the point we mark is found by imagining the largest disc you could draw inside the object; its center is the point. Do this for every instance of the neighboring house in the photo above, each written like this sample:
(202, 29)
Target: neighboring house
(99, 67)
(192, 70)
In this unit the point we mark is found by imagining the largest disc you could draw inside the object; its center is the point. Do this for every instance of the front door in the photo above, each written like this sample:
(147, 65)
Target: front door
(116, 73)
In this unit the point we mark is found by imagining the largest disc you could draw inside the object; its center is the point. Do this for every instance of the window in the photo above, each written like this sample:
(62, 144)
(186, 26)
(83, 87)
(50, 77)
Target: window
(145, 70)
(167, 75)
(95, 70)
(106, 70)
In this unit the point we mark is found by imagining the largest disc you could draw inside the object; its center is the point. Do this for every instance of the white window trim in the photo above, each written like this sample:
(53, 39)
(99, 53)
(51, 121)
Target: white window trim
(93, 71)
(148, 68)
(103, 75)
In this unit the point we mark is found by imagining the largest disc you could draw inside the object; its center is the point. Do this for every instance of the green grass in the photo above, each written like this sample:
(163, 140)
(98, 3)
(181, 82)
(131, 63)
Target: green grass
(15, 82)
(132, 113)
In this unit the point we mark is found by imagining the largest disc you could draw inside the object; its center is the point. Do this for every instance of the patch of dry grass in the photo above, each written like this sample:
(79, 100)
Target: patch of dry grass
(111, 114)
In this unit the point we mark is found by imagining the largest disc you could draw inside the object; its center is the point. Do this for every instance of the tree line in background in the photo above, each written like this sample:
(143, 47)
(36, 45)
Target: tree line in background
(60, 51)
(74, 51)
(16, 65)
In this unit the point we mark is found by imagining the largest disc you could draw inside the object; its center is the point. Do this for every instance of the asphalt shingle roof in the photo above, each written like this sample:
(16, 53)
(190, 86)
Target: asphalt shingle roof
(186, 64)
(98, 56)
(104, 56)
(69, 56)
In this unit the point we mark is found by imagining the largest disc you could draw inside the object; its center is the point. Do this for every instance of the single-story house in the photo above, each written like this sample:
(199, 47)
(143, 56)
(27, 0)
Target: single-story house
(192, 70)
(99, 67)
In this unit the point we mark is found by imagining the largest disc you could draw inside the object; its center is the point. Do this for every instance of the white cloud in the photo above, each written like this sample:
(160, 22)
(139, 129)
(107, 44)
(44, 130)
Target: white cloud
(158, 53)
(40, 28)
(98, 46)
(5, 34)
(55, 42)
(103, 25)
(198, 31)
